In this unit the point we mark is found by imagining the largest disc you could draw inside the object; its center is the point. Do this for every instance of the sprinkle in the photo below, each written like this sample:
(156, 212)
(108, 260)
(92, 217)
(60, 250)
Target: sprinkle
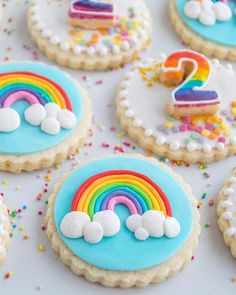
(5, 181)
(211, 202)
(41, 247)
(233, 280)
(207, 225)
(21, 228)
(8, 275)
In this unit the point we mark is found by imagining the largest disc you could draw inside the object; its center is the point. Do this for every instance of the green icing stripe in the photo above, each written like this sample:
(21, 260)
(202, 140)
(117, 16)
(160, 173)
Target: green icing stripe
(117, 185)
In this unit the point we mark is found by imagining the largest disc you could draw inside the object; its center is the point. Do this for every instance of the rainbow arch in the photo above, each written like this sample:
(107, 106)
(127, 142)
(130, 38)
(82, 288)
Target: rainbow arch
(32, 87)
(105, 190)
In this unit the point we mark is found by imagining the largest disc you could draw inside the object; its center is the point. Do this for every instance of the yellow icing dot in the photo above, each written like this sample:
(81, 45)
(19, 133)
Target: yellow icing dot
(227, 133)
(233, 111)
(205, 132)
(223, 126)
(169, 124)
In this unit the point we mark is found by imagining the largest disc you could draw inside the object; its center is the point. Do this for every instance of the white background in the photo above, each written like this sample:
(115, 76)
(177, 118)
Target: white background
(35, 272)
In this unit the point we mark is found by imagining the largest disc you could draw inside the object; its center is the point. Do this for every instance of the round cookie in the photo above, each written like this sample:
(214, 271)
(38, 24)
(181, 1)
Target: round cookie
(44, 116)
(226, 210)
(206, 26)
(102, 215)
(90, 35)
(4, 231)
(181, 107)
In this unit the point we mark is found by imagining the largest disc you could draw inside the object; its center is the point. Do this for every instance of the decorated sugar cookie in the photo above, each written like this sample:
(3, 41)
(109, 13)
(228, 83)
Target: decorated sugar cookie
(108, 211)
(44, 116)
(227, 212)
(4, 231)
(180, 106)
(207, 26)
(91, 35)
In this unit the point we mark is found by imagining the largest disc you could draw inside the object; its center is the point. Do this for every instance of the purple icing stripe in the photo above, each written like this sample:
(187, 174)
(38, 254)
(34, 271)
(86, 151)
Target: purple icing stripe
(4, 96)
(89, 16)
(105, 202)
(93, 6)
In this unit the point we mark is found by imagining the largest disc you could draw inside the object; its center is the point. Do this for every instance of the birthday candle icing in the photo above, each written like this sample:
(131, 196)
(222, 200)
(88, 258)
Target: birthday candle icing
(194, 70)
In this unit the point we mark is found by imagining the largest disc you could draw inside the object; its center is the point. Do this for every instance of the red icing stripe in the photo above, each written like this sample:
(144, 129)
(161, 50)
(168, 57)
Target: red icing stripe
(89, 181)
(60, 89)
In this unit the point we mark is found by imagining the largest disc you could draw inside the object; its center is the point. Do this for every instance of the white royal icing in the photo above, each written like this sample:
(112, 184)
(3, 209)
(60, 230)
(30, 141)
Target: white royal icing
(3, 231)
(230, 207)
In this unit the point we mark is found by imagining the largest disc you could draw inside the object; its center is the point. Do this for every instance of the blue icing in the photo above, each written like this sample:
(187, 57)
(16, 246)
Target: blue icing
(30, 139)
(123, 252)
(222, 32)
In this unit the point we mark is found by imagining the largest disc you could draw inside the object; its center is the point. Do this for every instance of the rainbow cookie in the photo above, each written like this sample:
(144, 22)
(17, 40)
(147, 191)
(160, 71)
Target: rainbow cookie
(93, 35)
(226, 210)
(4, 231)
(108, 211)
(207, 26)
(91, 15)
(189, 110)
(44, 111)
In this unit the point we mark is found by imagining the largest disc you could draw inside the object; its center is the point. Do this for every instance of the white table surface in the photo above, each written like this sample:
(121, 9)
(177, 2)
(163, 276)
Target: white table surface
(35, 272)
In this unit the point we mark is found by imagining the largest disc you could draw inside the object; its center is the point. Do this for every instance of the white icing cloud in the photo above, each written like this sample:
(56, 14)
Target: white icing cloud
(107, 224)
(51, 118)
(78, 224)
(9, 120)
(207, 12)
(153, 224)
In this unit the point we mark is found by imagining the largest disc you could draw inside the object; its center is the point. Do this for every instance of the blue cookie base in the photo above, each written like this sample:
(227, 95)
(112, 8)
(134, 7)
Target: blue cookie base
(29, 139)
(222, 32)
(124, 252)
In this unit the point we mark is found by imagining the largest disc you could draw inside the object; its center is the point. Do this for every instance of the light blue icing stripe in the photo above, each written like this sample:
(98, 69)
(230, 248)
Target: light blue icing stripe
(124, 252)
(222, 32)
(101, 198)
(30, 139)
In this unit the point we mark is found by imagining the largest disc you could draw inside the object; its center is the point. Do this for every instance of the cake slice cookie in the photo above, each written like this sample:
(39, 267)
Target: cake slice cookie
(106, 212)
(90, 35)
(227, 212)
(44, 116)
(180, 106)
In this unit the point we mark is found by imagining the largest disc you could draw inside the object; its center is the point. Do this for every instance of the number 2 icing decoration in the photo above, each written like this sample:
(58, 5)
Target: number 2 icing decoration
(92, 212)
(91, 15)
(192, 70)
(49, 103)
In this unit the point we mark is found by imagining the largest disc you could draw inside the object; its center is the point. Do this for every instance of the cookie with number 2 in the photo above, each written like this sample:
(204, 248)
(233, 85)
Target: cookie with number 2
(180, 106)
